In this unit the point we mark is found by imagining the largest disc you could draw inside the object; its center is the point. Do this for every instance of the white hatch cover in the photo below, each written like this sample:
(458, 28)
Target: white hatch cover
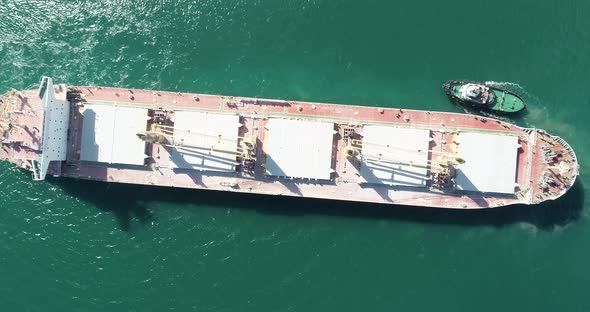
(207, 141)
(299, 149)
(394, 156)
(490, 163)
(109, 134)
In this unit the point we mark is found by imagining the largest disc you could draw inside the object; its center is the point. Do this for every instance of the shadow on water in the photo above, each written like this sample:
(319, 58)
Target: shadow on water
(126, 202)
(131, 202)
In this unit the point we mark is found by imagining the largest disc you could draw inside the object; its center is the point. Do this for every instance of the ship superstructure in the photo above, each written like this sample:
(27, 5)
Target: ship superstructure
(277, 147)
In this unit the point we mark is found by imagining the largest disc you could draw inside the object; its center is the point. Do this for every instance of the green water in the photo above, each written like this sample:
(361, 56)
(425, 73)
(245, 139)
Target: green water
(81, 246)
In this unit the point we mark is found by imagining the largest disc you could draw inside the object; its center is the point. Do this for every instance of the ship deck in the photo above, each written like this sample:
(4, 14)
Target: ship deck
(256, 112)
(254, 116)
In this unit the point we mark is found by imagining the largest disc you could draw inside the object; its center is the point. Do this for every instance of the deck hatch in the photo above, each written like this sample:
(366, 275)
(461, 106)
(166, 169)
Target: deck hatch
(490, 163)
(204, 141)
(109, 134)
(299, 149)
(387, 153)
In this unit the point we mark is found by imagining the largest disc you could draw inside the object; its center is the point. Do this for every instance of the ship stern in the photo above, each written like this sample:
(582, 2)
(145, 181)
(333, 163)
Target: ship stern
(21, 123)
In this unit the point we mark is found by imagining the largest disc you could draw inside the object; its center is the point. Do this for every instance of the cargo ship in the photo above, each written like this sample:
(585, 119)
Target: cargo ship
(279, 147)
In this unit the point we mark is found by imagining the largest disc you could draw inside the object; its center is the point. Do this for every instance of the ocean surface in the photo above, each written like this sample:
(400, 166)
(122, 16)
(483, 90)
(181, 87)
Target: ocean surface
(68, 245)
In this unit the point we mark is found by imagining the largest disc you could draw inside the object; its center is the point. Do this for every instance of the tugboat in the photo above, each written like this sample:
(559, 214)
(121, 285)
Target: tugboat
(480, 96)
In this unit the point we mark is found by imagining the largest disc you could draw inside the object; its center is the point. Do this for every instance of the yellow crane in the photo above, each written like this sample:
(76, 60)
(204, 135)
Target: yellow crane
(443, 159)
(160, 134)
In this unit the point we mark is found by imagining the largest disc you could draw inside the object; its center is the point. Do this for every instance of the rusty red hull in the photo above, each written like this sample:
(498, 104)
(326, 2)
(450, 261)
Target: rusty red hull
(23, 133)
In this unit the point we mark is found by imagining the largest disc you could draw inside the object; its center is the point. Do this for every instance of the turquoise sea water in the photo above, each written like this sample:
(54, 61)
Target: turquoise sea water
(80, 246)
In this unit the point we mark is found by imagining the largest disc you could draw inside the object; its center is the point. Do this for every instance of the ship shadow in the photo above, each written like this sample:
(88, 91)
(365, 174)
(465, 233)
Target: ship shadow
(130, 205)
(544, 216)
(126, 202)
